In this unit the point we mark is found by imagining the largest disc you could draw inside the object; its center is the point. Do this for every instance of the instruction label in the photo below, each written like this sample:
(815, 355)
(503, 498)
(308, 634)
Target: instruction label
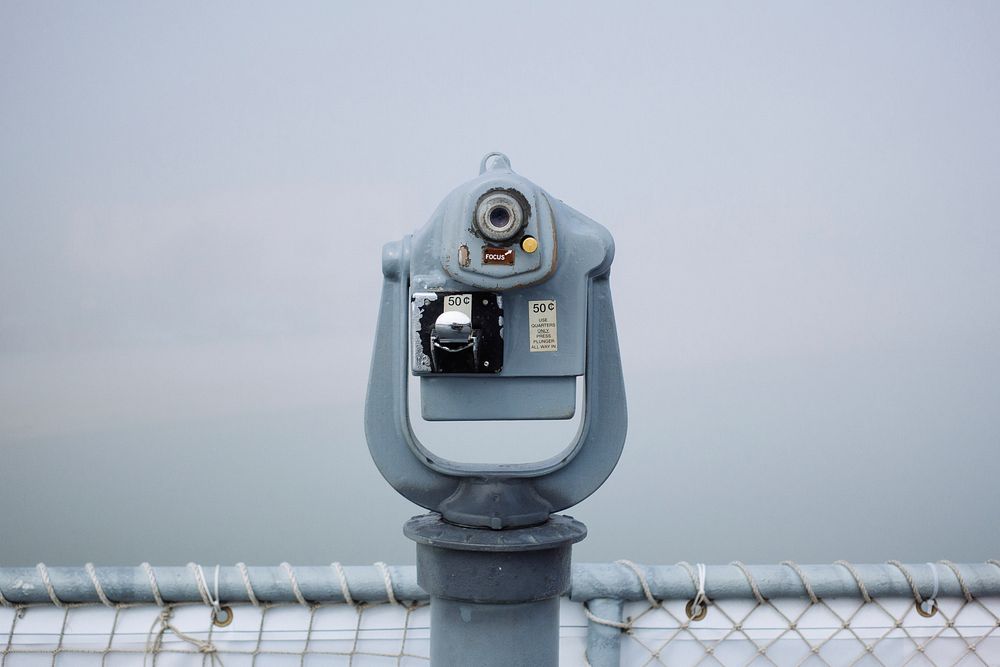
(459, 302)
(542, 322)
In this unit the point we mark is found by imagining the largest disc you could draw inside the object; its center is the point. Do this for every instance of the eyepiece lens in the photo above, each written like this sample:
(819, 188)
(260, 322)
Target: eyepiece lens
(499, 217)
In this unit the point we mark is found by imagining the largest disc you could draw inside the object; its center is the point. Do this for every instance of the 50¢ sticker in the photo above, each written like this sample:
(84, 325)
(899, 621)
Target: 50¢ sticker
(542, 323)
(460, 302)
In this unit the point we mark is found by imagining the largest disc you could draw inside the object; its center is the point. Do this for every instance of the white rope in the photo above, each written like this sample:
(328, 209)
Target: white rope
(700, 599)
(154, 640)
(387, 580)
(245, 575)
(345, 590)
(153, 585)
(199, 580)
(961, 580)
(754, 588)
(653, 602)
(909, 579)
(690, 572)
(43, 572)
(698, 605)
(216, 603)
(621, 625)
(627, 624)
(295, 584)
(857, 579)
(4, 602)
(92, 573)
(802, 577)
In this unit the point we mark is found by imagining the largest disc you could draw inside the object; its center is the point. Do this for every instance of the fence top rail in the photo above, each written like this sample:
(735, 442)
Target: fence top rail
(622, 580)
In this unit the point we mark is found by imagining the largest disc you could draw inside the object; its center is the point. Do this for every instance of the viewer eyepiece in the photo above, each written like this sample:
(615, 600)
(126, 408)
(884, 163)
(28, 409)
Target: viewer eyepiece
(500, 215)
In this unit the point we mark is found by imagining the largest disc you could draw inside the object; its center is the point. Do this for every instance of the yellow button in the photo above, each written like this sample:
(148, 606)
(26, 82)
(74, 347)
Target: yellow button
(529, 244)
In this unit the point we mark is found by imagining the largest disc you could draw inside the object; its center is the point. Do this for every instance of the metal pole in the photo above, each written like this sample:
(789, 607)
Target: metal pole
(494, 593)
(496, 634)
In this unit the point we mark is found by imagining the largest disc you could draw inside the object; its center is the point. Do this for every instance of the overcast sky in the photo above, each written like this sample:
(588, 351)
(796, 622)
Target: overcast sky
(804, 197)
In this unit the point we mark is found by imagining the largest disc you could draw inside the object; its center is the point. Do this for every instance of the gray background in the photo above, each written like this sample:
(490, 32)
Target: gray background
(804, 198)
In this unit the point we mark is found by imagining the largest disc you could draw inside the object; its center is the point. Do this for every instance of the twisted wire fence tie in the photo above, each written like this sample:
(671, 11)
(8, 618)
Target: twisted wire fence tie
(153, 585)
(387, 580)
(43, 572)
(653, 602)
(857, 579)
(296, 591)
(754, 588)
(345, 590)
(245, 576)
(92, 573)
(803, 578)
(961, 580)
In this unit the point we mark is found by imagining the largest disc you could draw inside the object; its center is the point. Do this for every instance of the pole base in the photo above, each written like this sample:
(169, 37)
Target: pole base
(494, 593)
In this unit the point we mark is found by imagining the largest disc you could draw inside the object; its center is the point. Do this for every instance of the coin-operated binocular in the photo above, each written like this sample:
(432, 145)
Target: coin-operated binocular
(498, 304)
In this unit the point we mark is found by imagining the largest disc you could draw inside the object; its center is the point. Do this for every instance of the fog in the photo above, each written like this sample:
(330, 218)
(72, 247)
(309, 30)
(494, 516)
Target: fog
(804, 200)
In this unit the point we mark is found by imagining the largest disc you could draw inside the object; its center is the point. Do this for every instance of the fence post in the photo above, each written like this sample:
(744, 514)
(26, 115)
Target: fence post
(604, 641)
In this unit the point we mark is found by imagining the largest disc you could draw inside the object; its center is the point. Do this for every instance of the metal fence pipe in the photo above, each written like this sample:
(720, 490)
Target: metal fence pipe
(604, 642)
(672, 582)
(590, 581)
(25, 585)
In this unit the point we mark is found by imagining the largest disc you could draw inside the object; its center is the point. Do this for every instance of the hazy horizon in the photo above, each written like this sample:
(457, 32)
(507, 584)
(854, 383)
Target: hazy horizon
(804, 200)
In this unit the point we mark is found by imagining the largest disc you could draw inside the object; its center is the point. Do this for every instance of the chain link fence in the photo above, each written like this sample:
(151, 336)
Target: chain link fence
(615, 614)
(828, 632)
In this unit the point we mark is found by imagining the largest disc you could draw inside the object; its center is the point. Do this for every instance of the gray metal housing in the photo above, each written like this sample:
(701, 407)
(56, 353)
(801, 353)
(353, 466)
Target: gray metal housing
(502, 495)
(572, 249)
